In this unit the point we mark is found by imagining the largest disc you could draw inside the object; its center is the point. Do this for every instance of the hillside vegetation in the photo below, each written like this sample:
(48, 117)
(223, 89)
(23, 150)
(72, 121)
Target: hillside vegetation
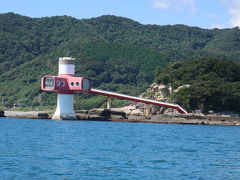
(214, 83)
(119, 54)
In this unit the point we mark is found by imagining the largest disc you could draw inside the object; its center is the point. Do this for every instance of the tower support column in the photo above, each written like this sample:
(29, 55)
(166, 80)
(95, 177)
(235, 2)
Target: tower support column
(147, 110)
(109, 100)
(64, 110)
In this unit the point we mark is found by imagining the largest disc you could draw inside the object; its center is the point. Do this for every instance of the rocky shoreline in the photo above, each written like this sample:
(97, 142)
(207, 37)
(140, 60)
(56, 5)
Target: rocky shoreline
(120, 116)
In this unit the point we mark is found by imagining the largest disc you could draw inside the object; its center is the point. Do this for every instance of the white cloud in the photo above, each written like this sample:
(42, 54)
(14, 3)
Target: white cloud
(235, 19)
(233, 7)
(177, 5)
(160, 5)
(231, 2)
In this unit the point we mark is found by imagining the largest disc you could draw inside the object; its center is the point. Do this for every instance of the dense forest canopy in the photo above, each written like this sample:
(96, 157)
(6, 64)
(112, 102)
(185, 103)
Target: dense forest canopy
(117, 53)
(214, 83)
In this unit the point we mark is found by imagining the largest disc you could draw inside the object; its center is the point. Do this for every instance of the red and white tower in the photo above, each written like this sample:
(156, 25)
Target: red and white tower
(65, 99)
(65, 84)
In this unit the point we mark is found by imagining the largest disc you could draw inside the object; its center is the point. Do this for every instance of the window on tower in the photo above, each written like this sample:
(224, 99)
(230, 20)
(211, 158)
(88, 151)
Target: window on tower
(49, 83)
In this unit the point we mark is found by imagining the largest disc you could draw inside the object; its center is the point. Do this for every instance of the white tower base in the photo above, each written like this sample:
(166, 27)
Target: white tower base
(64, 109)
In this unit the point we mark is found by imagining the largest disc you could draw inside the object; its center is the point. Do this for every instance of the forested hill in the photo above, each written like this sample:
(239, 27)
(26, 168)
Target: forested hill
(117, 53)
(214, 84)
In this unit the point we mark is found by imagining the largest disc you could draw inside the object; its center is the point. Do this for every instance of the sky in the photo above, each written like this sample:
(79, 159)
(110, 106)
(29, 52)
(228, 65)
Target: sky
(206, 14)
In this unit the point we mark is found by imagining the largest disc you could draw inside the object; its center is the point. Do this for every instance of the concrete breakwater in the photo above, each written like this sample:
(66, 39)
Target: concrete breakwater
(120, 116)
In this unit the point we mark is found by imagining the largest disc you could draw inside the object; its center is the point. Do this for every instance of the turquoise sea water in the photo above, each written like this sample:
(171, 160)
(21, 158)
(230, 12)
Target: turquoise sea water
(45, 149)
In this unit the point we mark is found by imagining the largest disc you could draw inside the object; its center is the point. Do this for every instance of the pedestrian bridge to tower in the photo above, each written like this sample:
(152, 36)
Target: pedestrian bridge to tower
(137, 99)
